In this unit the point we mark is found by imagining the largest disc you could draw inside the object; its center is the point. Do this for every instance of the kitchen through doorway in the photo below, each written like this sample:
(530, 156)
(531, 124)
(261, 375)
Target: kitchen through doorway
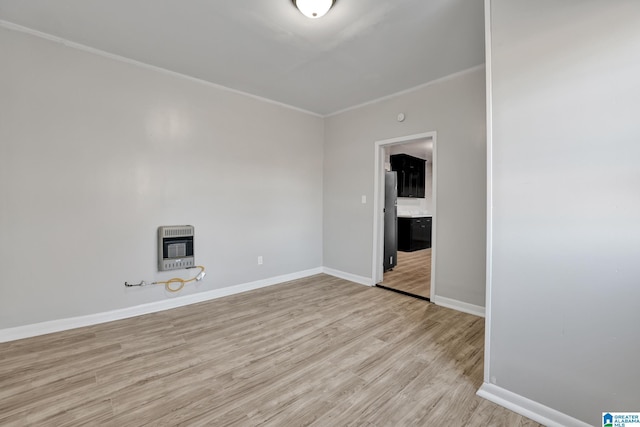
(405, 215)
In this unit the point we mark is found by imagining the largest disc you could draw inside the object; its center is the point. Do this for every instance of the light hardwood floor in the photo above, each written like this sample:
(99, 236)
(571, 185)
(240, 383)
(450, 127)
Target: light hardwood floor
(318, 351)
(412, 274)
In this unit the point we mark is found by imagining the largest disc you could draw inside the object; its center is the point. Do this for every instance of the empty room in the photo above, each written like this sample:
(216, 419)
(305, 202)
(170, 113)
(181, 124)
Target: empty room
(202, 204)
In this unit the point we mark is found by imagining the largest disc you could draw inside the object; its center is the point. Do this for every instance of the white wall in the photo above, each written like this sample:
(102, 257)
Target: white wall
(564, 297)
(455, 108)
(95, 154)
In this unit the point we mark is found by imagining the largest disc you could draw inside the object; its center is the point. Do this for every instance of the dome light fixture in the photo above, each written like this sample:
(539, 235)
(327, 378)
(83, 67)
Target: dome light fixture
(313, 8)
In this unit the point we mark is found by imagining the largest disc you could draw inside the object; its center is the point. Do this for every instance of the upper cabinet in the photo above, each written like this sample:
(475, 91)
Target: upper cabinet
(411, 175)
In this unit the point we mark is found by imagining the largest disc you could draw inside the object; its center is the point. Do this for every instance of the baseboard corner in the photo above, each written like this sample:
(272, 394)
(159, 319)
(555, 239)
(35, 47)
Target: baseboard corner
(465, 307)
(367, 281)
(526, 407)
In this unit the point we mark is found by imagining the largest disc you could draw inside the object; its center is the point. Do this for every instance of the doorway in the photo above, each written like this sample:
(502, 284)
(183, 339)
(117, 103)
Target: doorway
(412, 272)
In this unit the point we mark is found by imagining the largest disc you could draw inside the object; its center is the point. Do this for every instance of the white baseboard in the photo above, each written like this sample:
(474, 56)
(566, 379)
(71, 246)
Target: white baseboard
(527, 407)
(26, 331)
(465, 307)
(367, 281)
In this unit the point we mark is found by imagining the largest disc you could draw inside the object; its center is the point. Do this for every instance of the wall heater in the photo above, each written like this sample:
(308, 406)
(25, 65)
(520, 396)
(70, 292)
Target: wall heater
(175, 247)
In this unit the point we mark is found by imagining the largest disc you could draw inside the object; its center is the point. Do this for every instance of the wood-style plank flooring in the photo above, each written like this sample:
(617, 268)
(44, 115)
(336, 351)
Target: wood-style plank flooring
(318, 351)
(412, 274)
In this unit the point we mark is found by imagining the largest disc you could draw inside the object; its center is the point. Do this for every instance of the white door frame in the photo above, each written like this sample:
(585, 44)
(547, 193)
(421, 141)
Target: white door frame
(378, 204)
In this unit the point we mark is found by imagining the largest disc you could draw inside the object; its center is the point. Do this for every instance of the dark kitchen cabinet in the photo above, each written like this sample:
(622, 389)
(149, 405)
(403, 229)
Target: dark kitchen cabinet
(411, 175)
(414, 234)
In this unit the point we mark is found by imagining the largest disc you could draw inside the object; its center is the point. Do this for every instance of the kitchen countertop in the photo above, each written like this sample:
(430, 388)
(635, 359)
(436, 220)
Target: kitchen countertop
(415, 215)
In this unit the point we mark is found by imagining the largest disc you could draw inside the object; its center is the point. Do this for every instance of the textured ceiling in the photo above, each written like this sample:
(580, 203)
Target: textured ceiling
(360, 51)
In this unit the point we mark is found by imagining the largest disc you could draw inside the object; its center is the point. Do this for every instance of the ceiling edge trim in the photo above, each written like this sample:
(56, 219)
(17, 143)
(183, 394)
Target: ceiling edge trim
(19, 28)
(413, 89)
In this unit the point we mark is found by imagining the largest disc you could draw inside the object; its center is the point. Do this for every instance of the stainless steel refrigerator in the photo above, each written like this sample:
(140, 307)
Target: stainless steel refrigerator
(390, 220)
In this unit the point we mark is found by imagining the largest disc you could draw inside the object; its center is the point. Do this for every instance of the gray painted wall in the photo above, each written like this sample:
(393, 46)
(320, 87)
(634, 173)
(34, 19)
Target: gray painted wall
(566, 203)
(455, 108)
(95, 154)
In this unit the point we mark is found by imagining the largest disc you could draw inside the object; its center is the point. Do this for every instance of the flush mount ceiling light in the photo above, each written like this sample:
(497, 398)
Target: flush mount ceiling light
(313, 8)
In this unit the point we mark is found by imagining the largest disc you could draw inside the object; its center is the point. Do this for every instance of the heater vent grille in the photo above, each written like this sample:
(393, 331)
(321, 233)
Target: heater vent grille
(177, 231)
(175, 247)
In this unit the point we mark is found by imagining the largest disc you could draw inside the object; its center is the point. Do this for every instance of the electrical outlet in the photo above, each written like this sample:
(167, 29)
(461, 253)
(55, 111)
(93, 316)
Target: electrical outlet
(260, 260)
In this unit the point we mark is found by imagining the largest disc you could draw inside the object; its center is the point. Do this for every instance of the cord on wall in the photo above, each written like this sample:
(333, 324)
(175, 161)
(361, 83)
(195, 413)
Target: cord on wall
(169, 284)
